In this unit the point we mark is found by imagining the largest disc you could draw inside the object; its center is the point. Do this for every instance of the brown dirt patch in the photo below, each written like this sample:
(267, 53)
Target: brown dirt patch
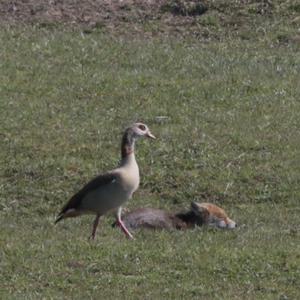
(93, 11)
(205, 19)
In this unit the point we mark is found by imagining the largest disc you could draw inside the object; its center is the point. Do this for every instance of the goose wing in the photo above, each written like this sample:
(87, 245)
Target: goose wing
(101, 181)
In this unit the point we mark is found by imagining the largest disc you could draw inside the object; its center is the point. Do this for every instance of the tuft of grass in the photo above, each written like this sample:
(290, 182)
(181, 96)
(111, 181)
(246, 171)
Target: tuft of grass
(226, 114)
(185, 8)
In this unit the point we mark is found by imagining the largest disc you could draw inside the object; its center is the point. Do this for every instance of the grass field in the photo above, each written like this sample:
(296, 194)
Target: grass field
(226, 114)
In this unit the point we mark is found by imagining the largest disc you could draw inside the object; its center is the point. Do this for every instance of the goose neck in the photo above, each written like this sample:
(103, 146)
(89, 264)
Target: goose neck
(127, 146)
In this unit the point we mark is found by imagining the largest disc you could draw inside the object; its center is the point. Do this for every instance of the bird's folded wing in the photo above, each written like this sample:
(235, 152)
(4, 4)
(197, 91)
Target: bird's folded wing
(97, 182)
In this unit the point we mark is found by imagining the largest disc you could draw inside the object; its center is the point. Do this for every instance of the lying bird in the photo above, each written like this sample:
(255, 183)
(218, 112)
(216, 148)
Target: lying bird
(108, 192)
(199, 214)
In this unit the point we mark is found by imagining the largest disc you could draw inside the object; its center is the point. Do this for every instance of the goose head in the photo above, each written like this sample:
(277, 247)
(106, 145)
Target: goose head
(141, 130)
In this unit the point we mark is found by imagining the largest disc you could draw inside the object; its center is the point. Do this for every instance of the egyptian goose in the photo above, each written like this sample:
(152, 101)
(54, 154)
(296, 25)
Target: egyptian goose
(109, 191)
(198, 215)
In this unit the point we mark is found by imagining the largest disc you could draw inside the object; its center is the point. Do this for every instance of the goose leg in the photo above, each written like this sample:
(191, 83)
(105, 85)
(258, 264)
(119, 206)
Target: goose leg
(96, 222)
(122, 225)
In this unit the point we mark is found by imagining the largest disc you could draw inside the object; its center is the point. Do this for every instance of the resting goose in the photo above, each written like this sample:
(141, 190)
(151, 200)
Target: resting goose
(111, 190)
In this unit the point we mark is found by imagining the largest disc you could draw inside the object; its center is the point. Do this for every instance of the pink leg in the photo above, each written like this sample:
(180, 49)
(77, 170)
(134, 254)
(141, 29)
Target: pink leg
(124, 229)
(96, 222)
(122, 225)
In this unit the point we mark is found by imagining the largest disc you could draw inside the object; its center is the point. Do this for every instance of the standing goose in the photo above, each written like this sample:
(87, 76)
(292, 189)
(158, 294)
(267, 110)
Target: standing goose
(111, 190)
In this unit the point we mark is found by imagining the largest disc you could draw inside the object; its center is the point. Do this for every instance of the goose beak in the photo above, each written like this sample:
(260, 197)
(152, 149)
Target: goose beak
(150, 135)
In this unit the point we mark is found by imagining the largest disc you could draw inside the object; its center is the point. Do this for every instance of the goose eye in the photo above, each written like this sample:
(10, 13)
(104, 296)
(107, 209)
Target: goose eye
(142, 127)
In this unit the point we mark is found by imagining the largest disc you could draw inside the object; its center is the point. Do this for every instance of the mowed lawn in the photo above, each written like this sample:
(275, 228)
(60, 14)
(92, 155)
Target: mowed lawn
(226, 115)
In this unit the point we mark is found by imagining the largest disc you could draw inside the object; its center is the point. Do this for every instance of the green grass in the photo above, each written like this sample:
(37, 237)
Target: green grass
(230, 136)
